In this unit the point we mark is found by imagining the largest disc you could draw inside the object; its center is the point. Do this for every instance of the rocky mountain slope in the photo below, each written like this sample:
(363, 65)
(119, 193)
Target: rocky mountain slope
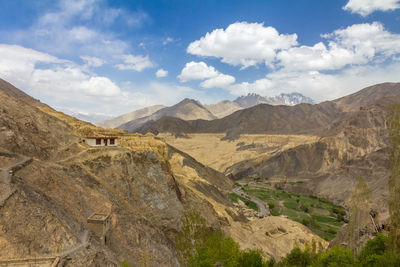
(145, 185)
(261, 119)
(134, 115)
(223, 108)
(291, 99)
(187, 109)
(350, 141)
(368, 96)
(218, 110)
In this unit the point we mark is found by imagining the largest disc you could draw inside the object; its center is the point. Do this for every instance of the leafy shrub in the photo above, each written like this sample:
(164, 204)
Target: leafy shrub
(251, 258)
(331, 230)
(275, 212)
(305, 207)
(201, 246)
(271, 205)
(336, 257)
(297, 257)
(217, 248)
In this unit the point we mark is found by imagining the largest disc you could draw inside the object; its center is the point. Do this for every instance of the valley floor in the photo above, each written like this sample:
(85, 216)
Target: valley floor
(321, 216)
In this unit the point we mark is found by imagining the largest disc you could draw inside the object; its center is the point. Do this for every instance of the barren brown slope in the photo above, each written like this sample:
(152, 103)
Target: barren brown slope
(187, 109)
(368, 96)
(261, 119)
(145, 185)
(13, 91)
(68, 181)
(140, 113)
(223, 108)
(356, 146)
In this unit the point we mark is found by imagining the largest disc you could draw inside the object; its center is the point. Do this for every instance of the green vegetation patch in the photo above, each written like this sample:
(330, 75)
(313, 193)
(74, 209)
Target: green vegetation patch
(321, 216)
(234, 198)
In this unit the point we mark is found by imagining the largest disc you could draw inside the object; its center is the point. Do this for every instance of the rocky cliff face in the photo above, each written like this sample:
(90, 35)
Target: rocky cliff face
(145, 185)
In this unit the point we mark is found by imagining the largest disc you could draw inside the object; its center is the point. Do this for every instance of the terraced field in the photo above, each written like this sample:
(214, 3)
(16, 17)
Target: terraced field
(321, 216)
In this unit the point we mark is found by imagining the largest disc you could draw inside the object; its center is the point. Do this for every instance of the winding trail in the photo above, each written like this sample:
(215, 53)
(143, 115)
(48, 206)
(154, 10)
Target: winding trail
(7, 190)
(261, 206)
(84, 243)
(6, 175)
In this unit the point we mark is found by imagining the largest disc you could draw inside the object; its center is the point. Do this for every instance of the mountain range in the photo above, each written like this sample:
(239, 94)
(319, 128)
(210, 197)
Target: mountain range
(145, 185)
(190, 109)
(332, 145)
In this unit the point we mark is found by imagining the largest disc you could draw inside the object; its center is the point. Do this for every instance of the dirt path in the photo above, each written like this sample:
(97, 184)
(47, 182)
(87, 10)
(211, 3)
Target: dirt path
(6, 175)
(259, 203)
(84, 243)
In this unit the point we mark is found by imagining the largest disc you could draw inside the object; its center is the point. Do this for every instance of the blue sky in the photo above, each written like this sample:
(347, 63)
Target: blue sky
(112, 57)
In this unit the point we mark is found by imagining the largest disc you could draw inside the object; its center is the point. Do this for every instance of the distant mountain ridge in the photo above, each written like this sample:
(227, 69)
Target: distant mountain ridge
(134, 120)
(187, 109)
(280, 119)
(291, 99)
(260, 119)
(134, 115)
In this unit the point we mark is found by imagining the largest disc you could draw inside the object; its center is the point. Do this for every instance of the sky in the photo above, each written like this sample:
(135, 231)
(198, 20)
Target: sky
(112, 57)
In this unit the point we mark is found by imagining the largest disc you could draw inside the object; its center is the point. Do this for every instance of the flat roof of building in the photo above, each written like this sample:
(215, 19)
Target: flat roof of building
(102, 137)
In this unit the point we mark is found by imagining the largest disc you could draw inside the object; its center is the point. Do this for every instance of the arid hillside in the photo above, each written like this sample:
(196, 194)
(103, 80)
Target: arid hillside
(145, 186)
(187, 109)
(134, 115)
(349, 142)
(261, 119)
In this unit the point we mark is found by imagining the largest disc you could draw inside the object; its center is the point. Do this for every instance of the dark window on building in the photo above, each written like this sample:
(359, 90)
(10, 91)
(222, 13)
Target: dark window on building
(112, 141)
(98, 141)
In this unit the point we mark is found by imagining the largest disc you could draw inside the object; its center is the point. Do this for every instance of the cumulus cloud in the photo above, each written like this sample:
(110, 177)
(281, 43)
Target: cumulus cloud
(197, 71)
(366, 7)
(243, 44)
(136, 63)
(41, 72)
(201, 71)
(221, 81)
(318, 85)
(66, 85)
(354, 45)
(354, 57)
(161, 73)
(93, 61)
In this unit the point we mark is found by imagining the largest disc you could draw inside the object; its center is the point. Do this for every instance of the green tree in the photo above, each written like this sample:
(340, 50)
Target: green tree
(217, 248)
(193, 234)
(393, 124)
(373, 251)
(335, 257)
(252, 258)
(360, 207)
(298, 257)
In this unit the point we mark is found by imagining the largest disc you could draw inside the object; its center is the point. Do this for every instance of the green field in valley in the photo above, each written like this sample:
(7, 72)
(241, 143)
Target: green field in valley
(321, 216)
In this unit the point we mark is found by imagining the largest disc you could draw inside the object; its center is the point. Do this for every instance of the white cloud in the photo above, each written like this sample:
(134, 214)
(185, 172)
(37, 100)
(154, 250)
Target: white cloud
(136, 63)
(243, 44)
(161, 73)
(366, 7)
(201, 71)
(93, 61)
(355, 45)
(320, 86)
(64, 84)
(56, 77)
(168, 40)
(220, 81)
(197, 71)
(355, 57)
(66, 29)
